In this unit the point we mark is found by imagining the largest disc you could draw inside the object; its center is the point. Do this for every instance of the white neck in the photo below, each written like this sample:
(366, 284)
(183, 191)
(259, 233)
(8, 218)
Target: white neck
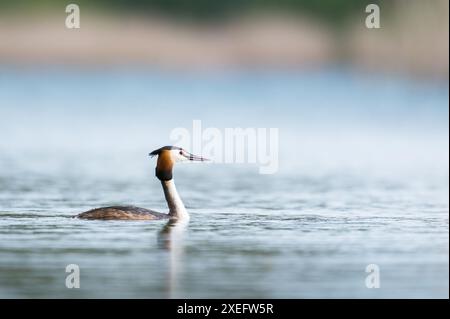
(176, 206)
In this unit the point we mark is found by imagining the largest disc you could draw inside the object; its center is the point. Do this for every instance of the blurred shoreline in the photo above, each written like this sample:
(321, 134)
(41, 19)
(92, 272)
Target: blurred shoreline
(413, 40)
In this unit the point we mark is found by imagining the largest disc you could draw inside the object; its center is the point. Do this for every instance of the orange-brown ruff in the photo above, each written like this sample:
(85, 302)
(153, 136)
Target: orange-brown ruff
(167, 156)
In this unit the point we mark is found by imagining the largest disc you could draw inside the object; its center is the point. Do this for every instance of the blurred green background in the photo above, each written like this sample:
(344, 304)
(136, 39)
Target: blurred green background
(330, 11)
(412, 40)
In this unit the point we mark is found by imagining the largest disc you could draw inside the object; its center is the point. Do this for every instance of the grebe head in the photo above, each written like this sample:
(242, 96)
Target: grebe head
(168, 156)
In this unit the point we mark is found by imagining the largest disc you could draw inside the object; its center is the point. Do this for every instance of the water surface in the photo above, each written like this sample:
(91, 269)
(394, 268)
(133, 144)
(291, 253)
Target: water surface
(363, 179)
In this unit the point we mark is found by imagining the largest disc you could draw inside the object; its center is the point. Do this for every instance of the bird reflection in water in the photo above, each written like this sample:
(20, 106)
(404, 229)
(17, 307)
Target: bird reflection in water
(170, 238)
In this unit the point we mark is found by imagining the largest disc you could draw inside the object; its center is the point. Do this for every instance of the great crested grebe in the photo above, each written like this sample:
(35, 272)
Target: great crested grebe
(167, 157)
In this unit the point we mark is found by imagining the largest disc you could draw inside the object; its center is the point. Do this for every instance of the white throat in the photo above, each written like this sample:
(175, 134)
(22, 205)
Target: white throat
(176, 206)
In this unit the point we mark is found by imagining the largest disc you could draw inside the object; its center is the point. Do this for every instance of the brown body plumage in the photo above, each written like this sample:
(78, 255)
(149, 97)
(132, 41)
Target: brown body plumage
(122, 213)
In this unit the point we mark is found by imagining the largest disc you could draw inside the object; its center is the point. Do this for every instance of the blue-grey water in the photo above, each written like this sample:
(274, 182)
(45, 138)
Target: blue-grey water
(362, 179)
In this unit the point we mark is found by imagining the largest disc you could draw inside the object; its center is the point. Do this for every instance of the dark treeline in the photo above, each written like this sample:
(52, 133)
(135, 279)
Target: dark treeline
(332, 11)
